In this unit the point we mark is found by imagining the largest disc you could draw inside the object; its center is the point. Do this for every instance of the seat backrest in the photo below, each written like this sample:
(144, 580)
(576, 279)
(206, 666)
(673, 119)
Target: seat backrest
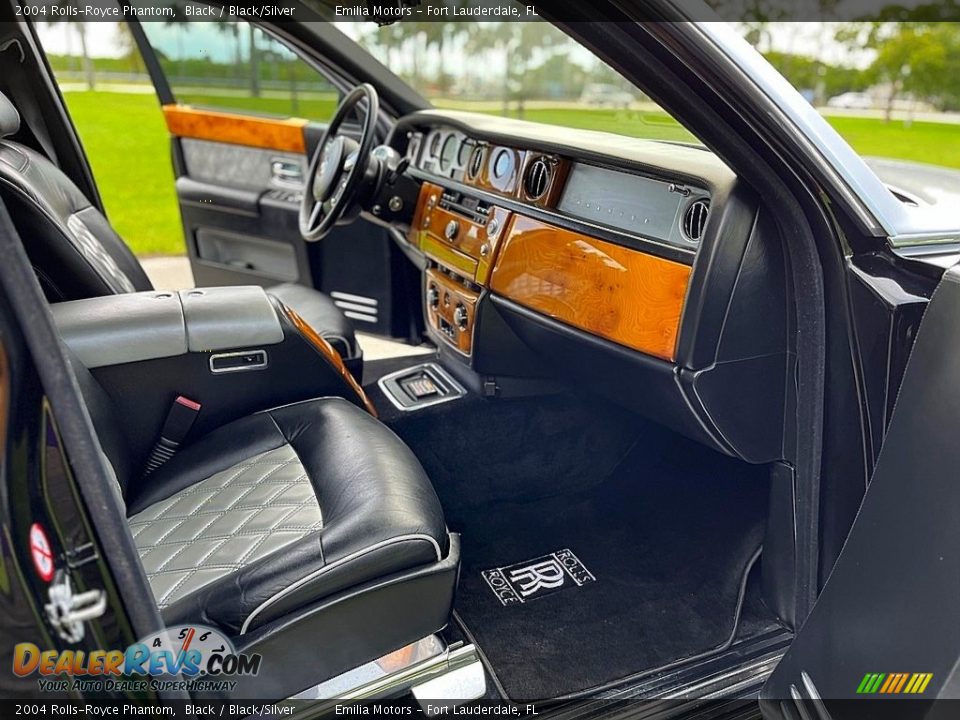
(73, 249)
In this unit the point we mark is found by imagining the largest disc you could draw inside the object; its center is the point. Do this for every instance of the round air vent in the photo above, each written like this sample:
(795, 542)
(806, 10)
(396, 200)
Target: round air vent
(695, 219)
(537, 179)
(476, 163)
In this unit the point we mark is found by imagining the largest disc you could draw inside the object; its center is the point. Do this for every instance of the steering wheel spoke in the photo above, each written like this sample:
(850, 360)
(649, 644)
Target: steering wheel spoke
(316, 215)
(337, 168)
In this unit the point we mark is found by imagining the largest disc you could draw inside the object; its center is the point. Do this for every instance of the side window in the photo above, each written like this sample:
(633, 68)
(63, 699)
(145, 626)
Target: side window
(114, 109)
(230, 66)
(234, 66)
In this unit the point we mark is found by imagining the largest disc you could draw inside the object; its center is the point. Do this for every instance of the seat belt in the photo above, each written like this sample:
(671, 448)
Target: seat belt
(20, 92)
(179, 420)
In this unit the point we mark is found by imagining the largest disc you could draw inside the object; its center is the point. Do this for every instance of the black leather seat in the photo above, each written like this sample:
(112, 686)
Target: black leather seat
(304, 532)
(77, 254)
(287, 506)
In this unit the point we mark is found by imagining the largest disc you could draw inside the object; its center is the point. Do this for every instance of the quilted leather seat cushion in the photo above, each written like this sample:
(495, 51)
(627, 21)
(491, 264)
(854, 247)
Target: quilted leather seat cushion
(280, 510)
(225, 523)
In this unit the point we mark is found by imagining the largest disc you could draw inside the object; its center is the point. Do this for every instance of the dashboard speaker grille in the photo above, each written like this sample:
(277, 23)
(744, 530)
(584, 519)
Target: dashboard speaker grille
(537, 179)
(695, 219)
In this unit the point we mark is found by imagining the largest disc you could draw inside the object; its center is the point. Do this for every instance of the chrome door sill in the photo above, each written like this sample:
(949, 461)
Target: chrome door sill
(447, 675)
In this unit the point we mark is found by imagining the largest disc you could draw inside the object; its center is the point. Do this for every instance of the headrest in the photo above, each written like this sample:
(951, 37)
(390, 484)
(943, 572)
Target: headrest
(9, 117)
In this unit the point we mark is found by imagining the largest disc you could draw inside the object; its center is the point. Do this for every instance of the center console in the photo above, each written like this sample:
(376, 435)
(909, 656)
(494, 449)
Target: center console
(232, 351)
(458, 234)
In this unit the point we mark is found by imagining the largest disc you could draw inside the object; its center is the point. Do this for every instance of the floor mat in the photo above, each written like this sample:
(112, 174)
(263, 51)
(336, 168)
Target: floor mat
(570, 593)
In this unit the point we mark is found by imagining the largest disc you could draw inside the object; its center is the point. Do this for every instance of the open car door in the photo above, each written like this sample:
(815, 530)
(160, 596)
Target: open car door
(886, 626)
(235, 100)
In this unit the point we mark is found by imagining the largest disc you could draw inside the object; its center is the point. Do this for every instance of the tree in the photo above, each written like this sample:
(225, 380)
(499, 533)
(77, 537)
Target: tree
(920, 59)
(254, 62)
(179, 22)
(519, 44)
(69, 7)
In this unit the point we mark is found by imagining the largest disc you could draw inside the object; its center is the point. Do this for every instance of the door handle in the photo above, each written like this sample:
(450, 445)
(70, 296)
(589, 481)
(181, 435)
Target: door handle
(286, 172)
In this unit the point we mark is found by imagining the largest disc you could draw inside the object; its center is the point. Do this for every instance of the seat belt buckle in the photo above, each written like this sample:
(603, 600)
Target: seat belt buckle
(183, 413)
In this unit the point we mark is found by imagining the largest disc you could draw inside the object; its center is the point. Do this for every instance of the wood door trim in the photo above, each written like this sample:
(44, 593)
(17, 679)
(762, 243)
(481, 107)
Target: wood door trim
(250, 130)
(624, 295)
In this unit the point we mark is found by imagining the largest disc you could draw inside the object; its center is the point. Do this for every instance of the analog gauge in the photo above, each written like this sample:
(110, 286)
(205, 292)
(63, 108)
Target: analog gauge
(433, 144)
(502, 165)
(466, 147)
(449, 153)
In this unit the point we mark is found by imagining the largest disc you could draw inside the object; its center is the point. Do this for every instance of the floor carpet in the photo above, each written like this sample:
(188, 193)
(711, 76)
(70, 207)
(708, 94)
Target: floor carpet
(667, 543)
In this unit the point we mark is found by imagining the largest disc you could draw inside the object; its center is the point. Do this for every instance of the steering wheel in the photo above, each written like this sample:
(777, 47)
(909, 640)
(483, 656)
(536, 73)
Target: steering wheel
(338, 166)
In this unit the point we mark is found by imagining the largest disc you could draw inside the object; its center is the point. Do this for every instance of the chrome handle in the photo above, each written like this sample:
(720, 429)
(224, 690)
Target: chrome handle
(287, 172)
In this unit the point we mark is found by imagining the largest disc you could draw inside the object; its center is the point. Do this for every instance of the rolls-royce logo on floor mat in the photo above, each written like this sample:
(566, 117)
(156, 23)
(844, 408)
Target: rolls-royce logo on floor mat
(535, 578)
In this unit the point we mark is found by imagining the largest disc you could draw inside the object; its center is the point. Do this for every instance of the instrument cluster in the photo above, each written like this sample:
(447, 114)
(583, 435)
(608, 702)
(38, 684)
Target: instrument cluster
(446, 153)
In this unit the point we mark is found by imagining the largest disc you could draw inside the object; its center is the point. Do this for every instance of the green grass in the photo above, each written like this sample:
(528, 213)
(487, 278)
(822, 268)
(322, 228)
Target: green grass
(127, 144)
(641, 124)
(317, 108)
(926, 142)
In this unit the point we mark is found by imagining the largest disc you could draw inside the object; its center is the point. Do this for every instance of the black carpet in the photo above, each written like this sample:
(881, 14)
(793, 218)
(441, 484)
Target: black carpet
(668, 538)
(478, 450)
(666, 527)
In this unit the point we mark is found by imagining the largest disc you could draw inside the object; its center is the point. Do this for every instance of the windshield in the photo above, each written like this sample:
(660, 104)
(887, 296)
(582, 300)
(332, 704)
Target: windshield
(891, 90)
(527, 70)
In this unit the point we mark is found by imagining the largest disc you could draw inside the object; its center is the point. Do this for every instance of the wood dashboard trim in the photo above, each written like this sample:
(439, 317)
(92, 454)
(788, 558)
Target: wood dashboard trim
(629, 297)
(325, 349)
(238, 129)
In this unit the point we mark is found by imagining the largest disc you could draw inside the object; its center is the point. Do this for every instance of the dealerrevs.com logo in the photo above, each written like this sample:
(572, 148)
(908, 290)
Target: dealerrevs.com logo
(187, 657)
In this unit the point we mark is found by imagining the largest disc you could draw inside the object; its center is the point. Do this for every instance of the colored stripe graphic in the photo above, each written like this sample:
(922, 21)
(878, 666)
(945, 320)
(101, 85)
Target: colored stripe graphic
(894, 683)
(891, 681)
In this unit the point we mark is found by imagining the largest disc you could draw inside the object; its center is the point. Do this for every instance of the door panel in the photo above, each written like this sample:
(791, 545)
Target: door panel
(239, 203)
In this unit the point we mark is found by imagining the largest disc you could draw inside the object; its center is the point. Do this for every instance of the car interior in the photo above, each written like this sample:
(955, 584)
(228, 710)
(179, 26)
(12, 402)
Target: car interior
(591, 462)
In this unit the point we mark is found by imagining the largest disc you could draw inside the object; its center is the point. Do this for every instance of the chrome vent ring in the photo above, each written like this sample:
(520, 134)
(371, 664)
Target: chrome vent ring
(476, 162)
(695, 219)
(536, 182)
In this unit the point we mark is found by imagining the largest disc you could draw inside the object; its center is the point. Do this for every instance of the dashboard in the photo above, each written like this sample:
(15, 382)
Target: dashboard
(573, 233)
(670, 211)
(642, 270)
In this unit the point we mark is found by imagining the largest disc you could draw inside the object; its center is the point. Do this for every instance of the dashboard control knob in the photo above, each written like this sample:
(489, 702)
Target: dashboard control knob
(433, 296)
(493, 227)
(485, 249)
(451, 230)
(395, 204)
(460, 316)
